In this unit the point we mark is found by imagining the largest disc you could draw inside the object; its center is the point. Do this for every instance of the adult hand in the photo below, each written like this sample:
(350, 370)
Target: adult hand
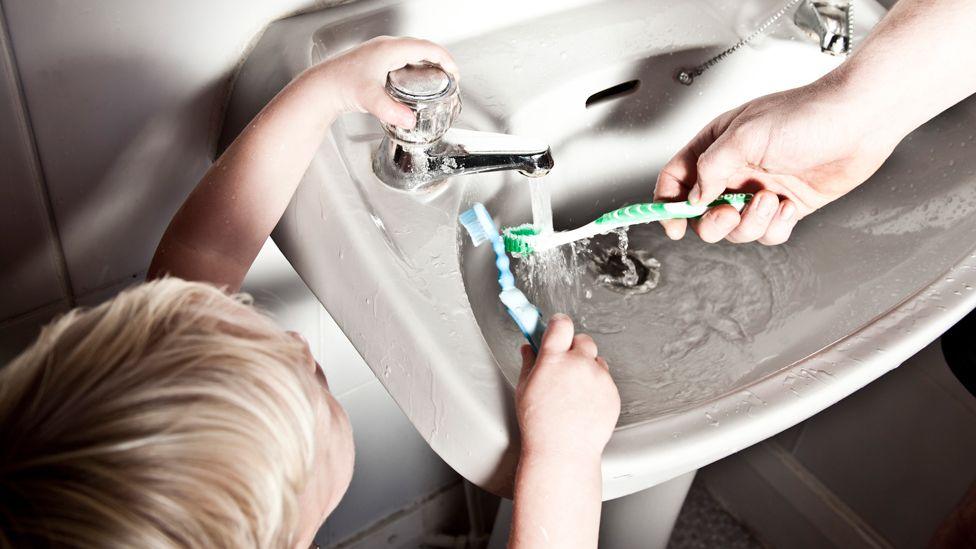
(797, 150)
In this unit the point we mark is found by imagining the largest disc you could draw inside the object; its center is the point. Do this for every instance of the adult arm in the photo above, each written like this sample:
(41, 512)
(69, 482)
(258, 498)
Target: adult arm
(803, 148)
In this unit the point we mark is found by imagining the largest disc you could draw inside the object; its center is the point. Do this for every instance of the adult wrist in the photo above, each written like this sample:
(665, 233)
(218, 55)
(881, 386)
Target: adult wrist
(867, 102)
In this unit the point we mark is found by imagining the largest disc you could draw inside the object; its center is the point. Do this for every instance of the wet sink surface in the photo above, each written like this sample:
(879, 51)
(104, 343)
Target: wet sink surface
(735, 344)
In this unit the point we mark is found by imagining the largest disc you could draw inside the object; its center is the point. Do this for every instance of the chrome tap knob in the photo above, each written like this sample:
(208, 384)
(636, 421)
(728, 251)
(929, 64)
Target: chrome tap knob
(423, 158)
(432, 94)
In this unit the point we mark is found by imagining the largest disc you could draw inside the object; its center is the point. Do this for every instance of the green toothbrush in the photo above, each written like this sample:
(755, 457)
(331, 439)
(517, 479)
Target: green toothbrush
(525, 239)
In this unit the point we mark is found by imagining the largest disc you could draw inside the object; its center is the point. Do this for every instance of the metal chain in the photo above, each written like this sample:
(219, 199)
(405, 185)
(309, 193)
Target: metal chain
(850, 26)
(687, 76)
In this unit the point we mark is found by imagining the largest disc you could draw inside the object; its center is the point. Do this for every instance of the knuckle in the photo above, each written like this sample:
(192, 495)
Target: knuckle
(745, 233)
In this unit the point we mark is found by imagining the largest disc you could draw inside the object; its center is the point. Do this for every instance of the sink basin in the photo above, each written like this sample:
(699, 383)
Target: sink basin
(733, 345)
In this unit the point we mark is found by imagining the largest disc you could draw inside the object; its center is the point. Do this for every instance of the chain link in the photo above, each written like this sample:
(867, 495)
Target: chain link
(687, 76)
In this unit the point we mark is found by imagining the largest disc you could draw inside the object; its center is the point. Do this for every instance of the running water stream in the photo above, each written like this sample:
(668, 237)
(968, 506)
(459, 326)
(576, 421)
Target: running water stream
(556, 279)
(541, 204)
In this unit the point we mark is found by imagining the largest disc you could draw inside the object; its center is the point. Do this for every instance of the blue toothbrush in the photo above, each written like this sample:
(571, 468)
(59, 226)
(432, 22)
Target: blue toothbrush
(482, 229)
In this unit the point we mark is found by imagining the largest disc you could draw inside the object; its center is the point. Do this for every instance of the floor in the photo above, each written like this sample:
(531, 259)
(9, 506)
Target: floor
(704, 524)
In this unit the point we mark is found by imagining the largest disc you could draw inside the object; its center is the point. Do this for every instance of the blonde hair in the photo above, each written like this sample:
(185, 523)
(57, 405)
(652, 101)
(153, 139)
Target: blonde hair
(171, 416)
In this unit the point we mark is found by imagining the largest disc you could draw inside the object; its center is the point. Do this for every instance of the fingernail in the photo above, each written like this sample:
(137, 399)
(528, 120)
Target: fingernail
(559, 317)
(789, 210)
(695, 195)
(766, 207)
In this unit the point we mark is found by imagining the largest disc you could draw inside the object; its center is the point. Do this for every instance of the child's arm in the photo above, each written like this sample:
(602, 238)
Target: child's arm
(219, 230)
(567, 407)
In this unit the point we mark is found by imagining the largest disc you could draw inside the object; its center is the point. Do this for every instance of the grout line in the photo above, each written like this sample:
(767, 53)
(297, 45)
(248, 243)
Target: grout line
(39, 179)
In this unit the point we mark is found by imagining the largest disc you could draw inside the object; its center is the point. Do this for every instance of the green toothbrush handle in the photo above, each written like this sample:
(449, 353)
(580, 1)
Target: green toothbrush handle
(657, 211)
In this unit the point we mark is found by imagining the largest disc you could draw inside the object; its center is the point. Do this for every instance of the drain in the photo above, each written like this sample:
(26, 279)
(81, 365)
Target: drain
(631, 272)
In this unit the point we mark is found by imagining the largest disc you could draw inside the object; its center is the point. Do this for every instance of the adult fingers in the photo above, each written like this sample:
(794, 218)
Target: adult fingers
(670, 188)
(559, 335)
(781, 225)
(584, 344)
(756, 218)
(717, 223)
(715, 167)
(678, 176)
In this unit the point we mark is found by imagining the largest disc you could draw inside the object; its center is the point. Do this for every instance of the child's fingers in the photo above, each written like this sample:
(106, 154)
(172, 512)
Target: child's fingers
(601, 362)
(584, 344)
(559, 335)
(383, 107)
(412, 50)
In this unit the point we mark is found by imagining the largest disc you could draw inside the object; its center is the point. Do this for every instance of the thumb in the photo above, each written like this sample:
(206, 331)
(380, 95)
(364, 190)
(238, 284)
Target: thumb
(388, 111)
(559, 335)
(715, 168)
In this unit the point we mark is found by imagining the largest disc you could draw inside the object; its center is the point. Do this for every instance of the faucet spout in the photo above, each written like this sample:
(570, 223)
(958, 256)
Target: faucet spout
(459, 152)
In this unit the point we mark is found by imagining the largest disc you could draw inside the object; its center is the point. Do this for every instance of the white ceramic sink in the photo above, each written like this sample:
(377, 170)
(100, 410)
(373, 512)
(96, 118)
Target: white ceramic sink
(735, 344)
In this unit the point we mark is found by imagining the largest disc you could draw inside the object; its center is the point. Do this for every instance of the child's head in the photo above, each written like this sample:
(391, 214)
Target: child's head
(171, 416)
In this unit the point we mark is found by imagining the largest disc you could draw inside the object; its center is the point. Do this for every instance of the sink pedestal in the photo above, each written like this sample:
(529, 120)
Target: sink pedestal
(644, 519)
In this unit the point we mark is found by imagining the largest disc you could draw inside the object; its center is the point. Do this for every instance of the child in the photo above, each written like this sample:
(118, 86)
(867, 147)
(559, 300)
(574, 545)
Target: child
(176, 415)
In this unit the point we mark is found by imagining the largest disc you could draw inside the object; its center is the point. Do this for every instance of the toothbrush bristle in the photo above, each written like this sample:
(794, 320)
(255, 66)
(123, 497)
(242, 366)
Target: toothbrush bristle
(475, 228)
(518, 240)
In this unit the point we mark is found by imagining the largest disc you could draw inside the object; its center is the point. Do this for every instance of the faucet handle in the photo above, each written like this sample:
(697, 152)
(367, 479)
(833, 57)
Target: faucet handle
(431, 93)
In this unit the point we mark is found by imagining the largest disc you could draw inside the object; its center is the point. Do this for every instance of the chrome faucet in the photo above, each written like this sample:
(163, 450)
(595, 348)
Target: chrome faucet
(425, 156)
(828, 21)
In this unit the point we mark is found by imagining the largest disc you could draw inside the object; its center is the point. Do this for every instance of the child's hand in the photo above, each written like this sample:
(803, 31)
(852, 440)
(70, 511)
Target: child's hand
(360, 75)
(566, 401)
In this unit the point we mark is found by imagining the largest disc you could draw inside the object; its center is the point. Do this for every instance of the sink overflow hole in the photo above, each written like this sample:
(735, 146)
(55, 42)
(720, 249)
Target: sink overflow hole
(613, 92)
